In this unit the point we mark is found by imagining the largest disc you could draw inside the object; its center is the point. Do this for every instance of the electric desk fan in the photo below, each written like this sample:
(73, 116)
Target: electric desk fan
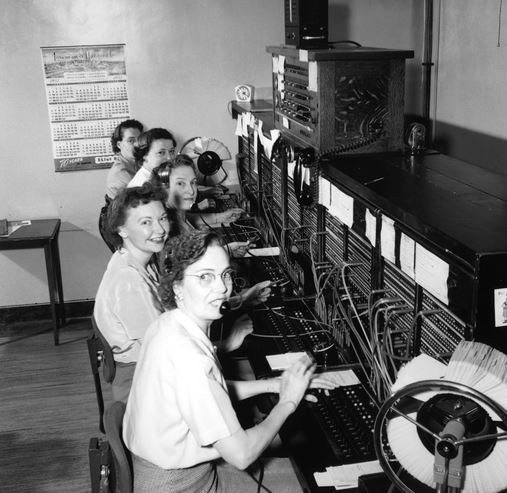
(448, 434)
(208, 155)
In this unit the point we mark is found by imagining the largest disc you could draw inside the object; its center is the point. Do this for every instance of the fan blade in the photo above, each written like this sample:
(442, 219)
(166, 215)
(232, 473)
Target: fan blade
(220, 149)
(205, 142)
(224, 154)
(197, 151)
(199, 145)
(214, 145)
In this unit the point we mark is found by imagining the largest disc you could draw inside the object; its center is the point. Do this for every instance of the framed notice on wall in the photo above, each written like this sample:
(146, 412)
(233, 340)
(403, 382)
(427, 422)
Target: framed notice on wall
(86, 88)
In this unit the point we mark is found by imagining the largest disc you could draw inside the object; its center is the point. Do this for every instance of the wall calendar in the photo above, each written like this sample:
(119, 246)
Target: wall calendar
(86, 89)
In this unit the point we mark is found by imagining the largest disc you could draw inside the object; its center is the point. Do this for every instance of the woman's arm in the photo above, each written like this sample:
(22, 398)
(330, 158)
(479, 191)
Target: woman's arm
(245, 446)
(142, 176)
(214, 218)
(243, 389)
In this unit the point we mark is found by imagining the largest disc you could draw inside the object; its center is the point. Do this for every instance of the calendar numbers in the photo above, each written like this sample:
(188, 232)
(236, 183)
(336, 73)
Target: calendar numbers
(86, 89)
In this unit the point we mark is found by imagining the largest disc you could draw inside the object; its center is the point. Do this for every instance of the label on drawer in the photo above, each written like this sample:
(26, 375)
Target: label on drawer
(342, 206)
(371, 227)
(324, 192)
(407, 255)
(387, 238)
(431, 272)
(500, 307)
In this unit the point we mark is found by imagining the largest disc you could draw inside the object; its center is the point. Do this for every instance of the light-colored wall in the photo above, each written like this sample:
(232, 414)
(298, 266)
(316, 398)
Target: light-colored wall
(472, 68)
(183, 59)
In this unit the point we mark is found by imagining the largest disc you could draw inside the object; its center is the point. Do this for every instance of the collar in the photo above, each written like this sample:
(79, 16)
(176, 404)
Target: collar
(193, 329)
(149, 272)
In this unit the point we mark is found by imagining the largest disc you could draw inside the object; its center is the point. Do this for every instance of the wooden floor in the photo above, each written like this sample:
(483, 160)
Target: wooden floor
(48, 410)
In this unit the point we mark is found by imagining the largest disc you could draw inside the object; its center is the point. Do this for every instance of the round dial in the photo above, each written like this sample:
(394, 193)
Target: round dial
(243, 93)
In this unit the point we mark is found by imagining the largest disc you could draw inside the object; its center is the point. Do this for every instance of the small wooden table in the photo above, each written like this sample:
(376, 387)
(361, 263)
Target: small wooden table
(43, 233)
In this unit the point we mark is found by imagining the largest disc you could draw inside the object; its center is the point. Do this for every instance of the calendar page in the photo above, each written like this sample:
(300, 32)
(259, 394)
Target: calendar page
(86, 89)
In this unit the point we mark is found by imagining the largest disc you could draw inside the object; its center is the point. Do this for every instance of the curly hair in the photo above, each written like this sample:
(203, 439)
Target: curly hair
(129, 198)
(146, 139)
(179, 253)
(119, 130)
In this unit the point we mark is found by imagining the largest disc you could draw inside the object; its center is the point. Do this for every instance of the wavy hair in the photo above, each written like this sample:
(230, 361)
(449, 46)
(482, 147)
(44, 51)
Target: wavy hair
(179, 253)
(119, 130)
(126, 199)
(146, 139)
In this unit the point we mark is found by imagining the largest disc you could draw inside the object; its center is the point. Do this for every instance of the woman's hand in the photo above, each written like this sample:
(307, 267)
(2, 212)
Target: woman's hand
(206, 204)
(257, 294)
(241, 327)
(213, 192)
(295, 380)
(238, 249)
(230, 215)
(322, 381)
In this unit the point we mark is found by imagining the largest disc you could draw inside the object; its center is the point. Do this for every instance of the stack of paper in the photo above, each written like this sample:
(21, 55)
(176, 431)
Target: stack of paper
(343, 477)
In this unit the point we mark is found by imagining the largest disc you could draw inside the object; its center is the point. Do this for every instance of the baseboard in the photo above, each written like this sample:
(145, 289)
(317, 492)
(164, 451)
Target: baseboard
(42, 311)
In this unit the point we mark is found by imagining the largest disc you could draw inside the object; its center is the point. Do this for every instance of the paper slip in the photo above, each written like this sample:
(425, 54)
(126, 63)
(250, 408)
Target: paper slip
(341, 378)
(264, 252)
(342, 477)
(283, 361)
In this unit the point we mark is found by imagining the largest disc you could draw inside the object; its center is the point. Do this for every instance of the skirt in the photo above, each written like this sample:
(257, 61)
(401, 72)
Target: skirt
(269, 475)
(149, 478)
(122, 382)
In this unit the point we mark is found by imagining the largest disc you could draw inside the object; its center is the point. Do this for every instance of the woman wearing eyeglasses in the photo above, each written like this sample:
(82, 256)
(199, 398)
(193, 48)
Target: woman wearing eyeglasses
(180, 423)
(123, 169)
(127, 300)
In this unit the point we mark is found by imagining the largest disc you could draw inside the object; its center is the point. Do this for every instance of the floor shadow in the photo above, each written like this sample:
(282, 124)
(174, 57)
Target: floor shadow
(19, 454)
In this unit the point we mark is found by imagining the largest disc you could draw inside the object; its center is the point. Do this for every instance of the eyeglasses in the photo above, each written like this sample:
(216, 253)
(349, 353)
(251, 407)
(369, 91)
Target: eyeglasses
(207, 278)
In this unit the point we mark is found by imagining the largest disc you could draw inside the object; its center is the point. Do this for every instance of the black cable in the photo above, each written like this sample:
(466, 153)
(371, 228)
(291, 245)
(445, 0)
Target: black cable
(260, 486)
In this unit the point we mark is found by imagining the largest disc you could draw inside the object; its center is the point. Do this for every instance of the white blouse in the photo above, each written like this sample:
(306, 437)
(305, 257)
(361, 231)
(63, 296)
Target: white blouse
(179, 403)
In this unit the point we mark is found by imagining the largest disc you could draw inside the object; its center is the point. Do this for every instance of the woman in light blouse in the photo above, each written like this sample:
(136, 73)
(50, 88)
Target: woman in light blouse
(127, 300)
(123, 169)
(180, 423)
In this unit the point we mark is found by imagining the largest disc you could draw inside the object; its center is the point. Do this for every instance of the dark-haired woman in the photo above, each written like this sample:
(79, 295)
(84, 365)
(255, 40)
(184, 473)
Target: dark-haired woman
(181, 182)
(127, 300)
(179, 419)
(153, 147)
(124, 166)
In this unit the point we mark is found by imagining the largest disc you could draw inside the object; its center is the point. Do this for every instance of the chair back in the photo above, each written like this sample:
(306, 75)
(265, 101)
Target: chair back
(108, 363)
(121, 478)
(100, 354)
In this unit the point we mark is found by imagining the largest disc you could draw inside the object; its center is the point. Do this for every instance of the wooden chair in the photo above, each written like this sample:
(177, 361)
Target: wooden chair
(100, 354)
(121, 476)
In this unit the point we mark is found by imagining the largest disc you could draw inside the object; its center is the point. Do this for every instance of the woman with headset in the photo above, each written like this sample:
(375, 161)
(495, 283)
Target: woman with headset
(180, 423)
(179, 176)
(127, 299)
(153, 147)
